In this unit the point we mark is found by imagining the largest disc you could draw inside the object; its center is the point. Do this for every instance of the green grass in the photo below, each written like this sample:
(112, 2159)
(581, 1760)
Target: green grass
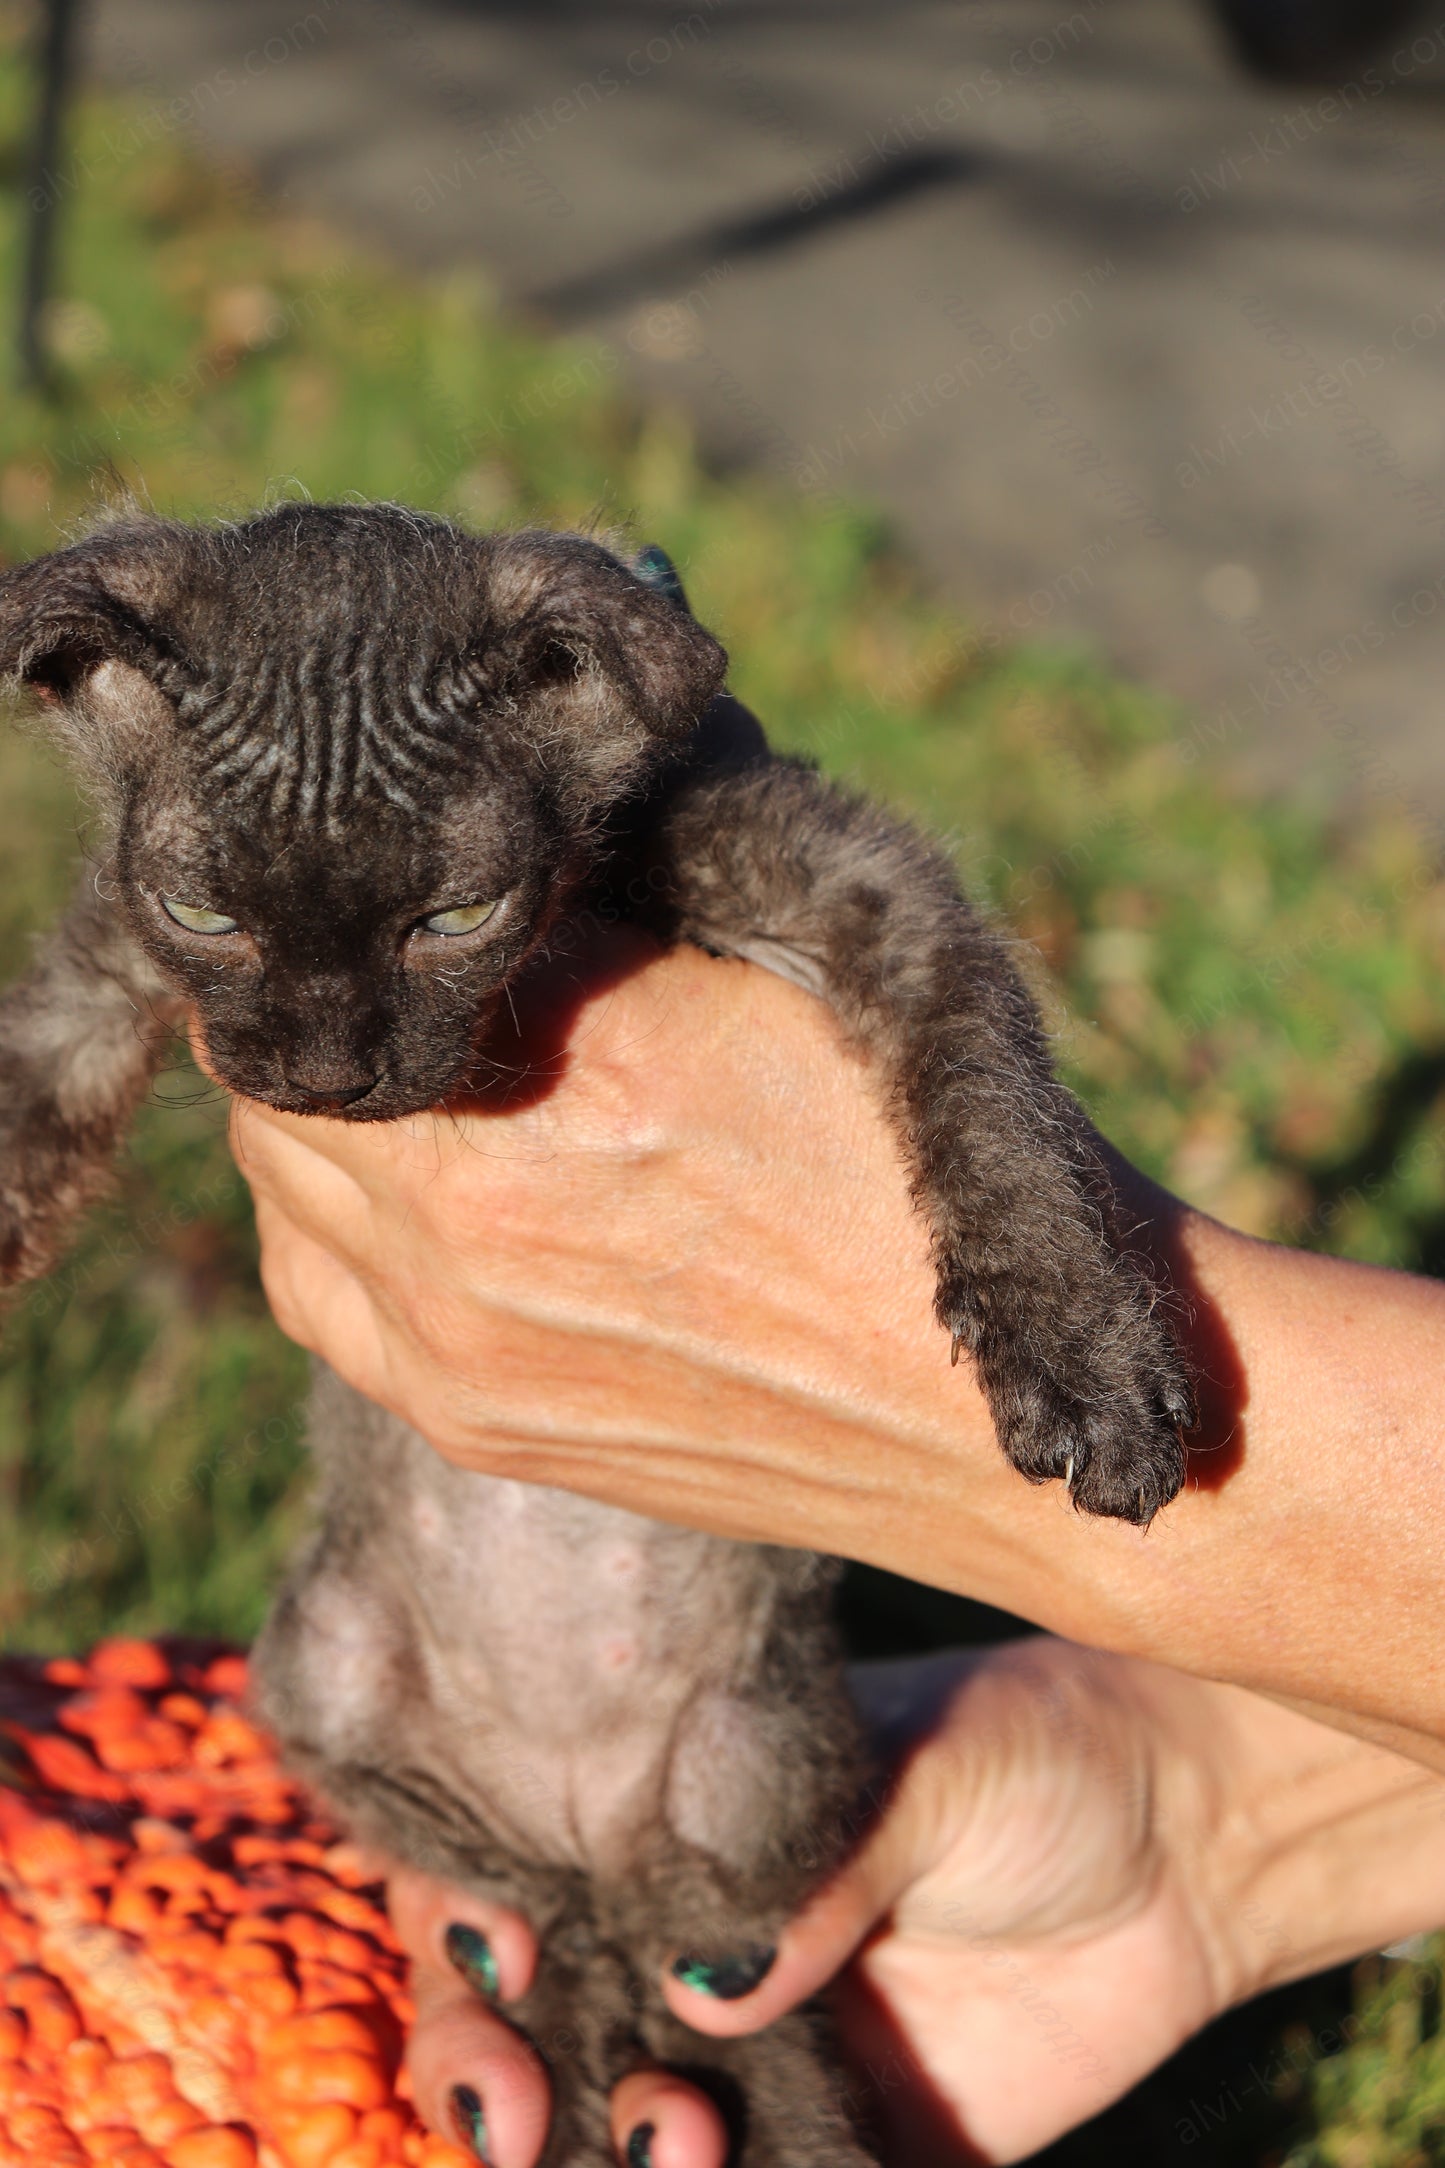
(1248, 995)
(1381, 2102)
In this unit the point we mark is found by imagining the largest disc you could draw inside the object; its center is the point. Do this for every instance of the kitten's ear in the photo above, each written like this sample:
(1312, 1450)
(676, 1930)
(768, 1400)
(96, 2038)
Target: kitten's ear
(82, 630)
(610, 667)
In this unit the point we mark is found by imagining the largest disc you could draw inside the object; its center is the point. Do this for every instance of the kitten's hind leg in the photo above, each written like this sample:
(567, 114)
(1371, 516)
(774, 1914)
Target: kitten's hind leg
(1083, 1379)
(80, 1038)
(795, 2100)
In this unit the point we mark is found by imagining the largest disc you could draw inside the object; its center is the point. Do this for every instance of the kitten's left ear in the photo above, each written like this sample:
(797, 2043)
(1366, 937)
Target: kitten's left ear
(98, 601)
(82, 629)
(605, 665)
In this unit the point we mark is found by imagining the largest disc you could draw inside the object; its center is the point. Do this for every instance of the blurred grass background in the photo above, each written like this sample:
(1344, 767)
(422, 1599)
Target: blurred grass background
(1248, 995)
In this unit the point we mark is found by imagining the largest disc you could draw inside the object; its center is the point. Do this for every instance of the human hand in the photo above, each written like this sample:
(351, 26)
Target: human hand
(671, 1261)
(1081, 1861)
(679, 1225)
(1021, 1951)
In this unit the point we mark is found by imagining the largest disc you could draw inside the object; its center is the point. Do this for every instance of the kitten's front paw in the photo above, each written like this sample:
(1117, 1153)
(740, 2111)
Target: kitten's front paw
(45, 1186)
(28, 1246)
(1101, 1410)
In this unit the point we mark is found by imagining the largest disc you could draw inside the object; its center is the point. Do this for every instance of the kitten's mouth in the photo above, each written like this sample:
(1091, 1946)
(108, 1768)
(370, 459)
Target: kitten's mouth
(381, 1100)
(355, 1095)
(333, 1098)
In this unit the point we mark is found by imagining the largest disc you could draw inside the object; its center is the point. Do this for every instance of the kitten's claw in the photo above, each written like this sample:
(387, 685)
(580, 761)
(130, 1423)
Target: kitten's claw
(1116, 1443)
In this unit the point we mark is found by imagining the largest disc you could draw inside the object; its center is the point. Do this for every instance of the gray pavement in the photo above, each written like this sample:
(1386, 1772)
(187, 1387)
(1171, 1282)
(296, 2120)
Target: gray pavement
(1132, 351)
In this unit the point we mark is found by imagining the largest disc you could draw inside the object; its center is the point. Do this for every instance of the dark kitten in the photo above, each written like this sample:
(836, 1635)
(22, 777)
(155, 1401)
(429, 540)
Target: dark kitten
(356, 766)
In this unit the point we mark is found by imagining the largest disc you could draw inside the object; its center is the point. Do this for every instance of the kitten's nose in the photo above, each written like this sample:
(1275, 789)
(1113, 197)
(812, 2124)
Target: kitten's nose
(333, 1095)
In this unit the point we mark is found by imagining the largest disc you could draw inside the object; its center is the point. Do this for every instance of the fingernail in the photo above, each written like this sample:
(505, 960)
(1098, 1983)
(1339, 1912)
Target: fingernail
(471, 2124)
(728, 1978)
(471, 1953)
(639, 2146)
(656, 569)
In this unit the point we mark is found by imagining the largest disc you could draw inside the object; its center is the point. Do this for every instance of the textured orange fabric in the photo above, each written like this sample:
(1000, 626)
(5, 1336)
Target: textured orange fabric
(194, 1971)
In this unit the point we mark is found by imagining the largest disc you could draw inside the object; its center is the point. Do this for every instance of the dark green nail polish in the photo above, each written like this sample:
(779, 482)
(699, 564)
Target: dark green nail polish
(656, 569)
(728, 1978)
(639, 2146)
(471, 2124)
(471, 1953)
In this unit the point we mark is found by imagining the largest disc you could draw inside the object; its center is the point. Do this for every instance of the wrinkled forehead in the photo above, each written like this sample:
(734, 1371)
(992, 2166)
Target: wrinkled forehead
(314, 732)
(328, 668)
(288, 825)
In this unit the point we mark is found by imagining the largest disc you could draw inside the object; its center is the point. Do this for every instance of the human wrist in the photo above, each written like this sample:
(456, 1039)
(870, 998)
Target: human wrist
(1314, 1489)
(1293, 1845)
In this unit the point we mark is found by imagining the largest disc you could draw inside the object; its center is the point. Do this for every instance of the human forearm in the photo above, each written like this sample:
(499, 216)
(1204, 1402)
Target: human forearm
(1306, 1557)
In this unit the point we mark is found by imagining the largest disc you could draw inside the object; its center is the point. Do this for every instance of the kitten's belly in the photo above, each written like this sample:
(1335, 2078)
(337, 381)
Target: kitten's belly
(582, 1664)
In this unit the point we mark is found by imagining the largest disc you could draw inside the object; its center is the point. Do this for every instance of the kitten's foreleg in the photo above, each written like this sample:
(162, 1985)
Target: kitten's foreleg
(1083, 1379)
(80, 1037)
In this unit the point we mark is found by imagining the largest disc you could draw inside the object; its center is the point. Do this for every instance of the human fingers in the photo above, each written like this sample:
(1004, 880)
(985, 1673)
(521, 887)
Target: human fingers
(463, 1949)
(660, 2121)
(1016, 1804)
(490, 1947)
(301, 1163)
(321, 1304)
(480, 2083)
(750, 1988)
(474, 2078)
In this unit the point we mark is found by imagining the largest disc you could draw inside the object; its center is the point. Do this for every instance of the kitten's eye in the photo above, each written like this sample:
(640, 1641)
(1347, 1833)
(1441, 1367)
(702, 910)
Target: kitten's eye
(197, 921)
(466, 918)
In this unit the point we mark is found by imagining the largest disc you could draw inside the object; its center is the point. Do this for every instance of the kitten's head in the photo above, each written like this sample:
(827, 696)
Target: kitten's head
(352, 759)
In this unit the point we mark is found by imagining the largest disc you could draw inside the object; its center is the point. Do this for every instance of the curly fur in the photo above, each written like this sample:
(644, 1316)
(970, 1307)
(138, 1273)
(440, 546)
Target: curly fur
(330, 724)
